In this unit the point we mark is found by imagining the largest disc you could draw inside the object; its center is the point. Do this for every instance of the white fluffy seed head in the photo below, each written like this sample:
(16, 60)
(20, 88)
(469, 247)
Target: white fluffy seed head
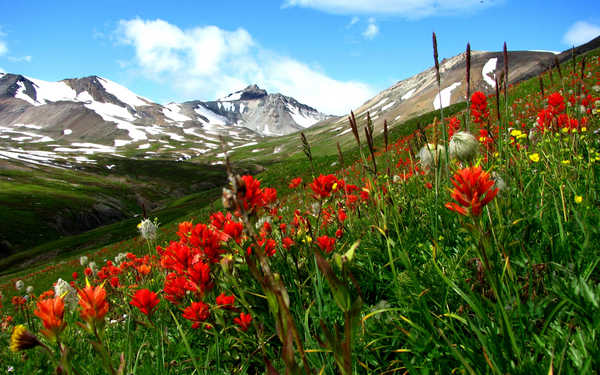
(429, 155)
(83, 260)
(19, 285)
(463, 146)
(148, 229)
(63, 288)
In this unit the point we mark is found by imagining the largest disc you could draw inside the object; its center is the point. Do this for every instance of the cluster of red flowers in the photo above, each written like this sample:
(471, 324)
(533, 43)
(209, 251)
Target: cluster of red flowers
(479, 109)
(453, 126)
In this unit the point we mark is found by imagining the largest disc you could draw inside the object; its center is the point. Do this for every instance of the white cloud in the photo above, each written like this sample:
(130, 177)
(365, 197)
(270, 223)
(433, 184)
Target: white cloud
(353, 21)
(19, 59)
(406, 8)
(208, 62)
(372, 30)
(580, 32)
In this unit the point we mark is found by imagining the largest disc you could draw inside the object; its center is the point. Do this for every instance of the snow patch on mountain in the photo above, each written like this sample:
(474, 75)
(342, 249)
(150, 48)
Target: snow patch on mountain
(490, 67)
(173, 112)
(445, 95)
(409, 94)
(123, 93)
(213, 118)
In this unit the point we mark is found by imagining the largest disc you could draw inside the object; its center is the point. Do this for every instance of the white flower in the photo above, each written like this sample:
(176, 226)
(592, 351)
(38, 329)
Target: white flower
(120, 258)
(63, 288)
(148, 229)
(463, 146)
(93, 267)
(19, 285)
(430, 155)
(29, 289)
(498, 181)
(83, 260)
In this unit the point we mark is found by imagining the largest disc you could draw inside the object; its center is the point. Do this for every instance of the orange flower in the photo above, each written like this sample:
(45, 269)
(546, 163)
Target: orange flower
(51, 312)
(473, 189)
(92, 300)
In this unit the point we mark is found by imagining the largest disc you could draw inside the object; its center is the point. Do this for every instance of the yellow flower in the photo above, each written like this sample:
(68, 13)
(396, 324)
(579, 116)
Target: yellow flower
(22, 339)
(565, 130)
(515, 133)
(307, 239)
(535, 157)
(566, 161)
(584, 129)
(578, 199)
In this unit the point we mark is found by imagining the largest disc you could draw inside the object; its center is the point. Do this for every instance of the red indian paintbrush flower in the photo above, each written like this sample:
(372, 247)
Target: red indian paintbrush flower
(479, 109)
(322, 186)
(295, 182)
(145, 300)
(225, 301)
(93, 303)
(326, 243)
(197, 312)
(243, 321)
(51, 312)
(473, 189)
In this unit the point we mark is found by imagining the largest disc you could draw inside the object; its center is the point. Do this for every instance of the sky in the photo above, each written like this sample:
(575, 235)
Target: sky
(330, 54)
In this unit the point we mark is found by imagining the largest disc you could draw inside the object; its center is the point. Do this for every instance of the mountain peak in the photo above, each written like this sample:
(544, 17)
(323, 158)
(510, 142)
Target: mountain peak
(253, 92)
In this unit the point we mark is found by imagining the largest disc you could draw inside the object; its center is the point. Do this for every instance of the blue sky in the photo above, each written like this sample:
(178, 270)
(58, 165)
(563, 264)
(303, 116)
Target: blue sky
(331, 54)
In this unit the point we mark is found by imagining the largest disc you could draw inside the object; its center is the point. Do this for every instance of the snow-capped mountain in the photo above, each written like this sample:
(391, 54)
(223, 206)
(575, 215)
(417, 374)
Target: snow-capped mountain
(93, 114)
(255, 109)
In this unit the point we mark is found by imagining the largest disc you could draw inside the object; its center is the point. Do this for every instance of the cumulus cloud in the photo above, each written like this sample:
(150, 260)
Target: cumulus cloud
(353, 21)
(372, 29)
(581, 32)
(406, 8)
(208, 62)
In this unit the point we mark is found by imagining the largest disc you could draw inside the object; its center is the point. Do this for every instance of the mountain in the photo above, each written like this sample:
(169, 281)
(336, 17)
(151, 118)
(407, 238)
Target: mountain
(419, 94)
(58, 121)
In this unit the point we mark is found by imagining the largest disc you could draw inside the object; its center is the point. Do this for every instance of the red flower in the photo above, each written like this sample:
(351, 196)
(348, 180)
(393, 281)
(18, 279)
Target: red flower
(295, 182)
(243, 321)
(326, 243)
(114, 282)
(224, 301)
(473, 189)
(88, 271)
(75, 275)
(479, 109)
(287, 243)
(175, 288)
(199, 277)
(145, 300)
(269, 245)
(51, 312)
(322, 186)
(209, 241)
(92, 301)
(197, 312)
(234, 230)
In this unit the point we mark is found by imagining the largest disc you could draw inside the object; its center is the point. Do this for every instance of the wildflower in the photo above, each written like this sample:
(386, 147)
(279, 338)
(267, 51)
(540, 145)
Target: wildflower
(51, 312)
(243, 321)
(578, 199)
(479, 109)
(19, 285)
(93, 303)
(473, 189)
(535, 157)
(67, 292)
(225, 301)
(148, 229)
(175, 288)
(326, 243)
(199, 277)
(287, 243)
(74, 275)
(83, 260)
(322, 186)
(197, 312)
(295, 182)
(22, 339)
(29, 289)
(145, 300)
(463, 146)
